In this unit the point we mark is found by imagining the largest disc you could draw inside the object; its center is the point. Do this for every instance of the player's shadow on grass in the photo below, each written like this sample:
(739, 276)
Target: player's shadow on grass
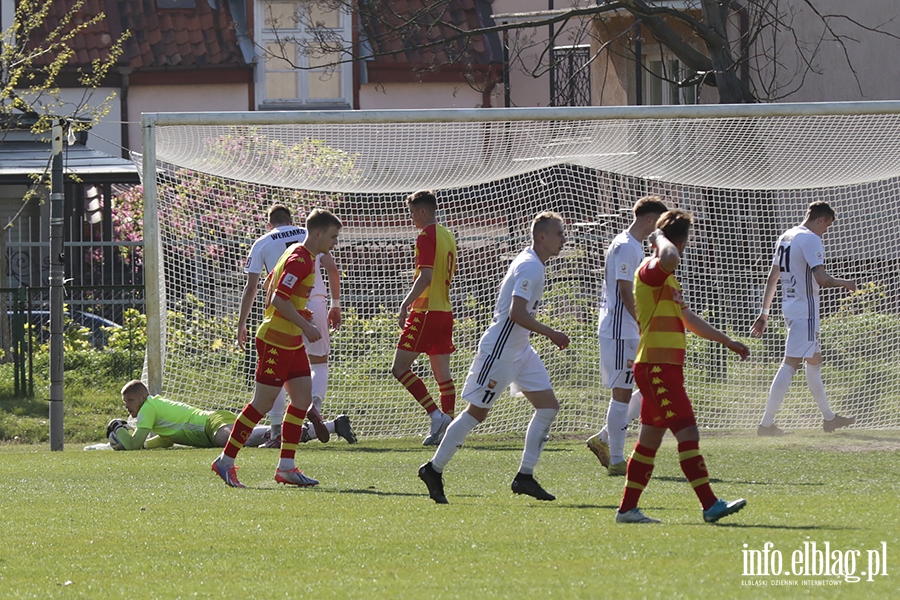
(376, 492)
(786, 527)
(716, 480)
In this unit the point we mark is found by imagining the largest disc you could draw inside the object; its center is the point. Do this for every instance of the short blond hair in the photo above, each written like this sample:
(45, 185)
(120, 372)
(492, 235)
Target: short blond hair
(540, 223)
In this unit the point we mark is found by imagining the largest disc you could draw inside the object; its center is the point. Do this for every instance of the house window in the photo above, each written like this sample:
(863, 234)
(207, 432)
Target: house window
(661, 75)
(296, 71)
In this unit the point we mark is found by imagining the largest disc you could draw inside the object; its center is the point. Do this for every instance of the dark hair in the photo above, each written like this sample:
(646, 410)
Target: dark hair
(279, 214)
(540, 222)
(321, 218)
(422, 198)
(818, 210)
(649, 205)
(675, 225)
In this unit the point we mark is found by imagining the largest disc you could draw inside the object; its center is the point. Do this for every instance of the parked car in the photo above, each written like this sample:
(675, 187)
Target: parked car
(40, 321)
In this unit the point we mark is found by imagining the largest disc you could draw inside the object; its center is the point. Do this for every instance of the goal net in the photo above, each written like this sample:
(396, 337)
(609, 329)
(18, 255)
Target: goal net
(747, 173)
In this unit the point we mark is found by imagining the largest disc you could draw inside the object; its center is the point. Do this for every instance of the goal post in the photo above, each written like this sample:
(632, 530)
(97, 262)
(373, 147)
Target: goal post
(747, 173)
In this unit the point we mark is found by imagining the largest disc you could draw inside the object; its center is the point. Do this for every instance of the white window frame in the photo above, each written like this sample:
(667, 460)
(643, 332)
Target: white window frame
(669, 93)
(343, 72)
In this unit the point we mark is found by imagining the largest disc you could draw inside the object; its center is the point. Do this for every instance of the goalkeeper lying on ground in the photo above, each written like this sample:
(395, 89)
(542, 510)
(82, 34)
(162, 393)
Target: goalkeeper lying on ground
(172, 423)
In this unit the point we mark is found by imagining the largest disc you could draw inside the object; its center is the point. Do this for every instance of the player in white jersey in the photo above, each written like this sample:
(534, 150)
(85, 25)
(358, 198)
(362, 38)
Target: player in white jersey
(799, 264)
(619, 334)
(505, 358)
(264, 254)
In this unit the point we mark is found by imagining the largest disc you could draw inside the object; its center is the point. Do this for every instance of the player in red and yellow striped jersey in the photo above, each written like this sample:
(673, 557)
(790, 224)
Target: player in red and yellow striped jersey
(282, 359)
(426, 315)
(659, 373)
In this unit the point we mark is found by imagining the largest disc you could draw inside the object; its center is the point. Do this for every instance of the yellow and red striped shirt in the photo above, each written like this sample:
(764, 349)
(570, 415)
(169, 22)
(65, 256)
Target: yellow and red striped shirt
(658, 299)
(436, 249)
(293, 278)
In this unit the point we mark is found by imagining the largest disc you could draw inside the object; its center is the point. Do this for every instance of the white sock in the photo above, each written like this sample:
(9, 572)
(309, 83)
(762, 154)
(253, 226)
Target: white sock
(435, 415)
(319, 372)
(634, 406)
(286, 464)
(814, 381)
(456, 434)
(617, 423)
(329, 425)
(537, 435)
(604, 434)
(257, 436)
(276, 415)
(225, 460)
(777, 392)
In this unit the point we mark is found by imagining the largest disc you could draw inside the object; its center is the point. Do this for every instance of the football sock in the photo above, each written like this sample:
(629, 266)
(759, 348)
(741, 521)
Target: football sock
(694, 468)
(777, 392)
(290, 436)
(276, 414)
(634, 407)
(454, 437)
(448, 397)
(240, 431)
(637, 476)
(417, 388)
(319, 374)
(604, 434)
(814, 381)
(535, 437)
(616, 423)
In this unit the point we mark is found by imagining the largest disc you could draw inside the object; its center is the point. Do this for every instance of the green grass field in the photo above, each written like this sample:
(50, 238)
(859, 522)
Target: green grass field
(160, 524)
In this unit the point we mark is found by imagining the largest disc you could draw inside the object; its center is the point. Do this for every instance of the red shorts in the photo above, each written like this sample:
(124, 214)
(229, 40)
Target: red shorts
(275, 366)
(430, 332)
(666, 403)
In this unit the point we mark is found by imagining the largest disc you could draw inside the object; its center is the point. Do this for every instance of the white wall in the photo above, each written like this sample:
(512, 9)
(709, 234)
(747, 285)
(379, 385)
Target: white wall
(874, 56)
(182, 98)
(418, 95)
(106, 136)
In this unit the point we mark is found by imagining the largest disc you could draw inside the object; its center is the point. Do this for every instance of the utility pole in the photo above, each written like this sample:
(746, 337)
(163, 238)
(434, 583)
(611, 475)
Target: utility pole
(57, 260)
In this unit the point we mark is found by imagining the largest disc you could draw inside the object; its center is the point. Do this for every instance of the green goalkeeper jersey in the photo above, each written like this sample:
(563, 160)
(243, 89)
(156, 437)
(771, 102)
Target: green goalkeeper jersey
(174, 423)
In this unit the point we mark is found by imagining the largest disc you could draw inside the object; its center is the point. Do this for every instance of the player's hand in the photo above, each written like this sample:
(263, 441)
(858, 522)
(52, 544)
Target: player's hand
(115, 425)
(402, 316)
(738, 348)
(242, 335)
(312, 333)
(759, 326)
(559, 339)
(334, 317)
(848, 284)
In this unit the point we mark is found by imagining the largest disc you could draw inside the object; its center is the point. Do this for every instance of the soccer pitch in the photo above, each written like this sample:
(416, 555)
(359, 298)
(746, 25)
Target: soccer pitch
(822, 511)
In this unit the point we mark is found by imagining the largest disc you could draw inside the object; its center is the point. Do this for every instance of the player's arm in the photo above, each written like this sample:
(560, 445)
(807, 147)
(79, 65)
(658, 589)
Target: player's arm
(158, 441)
(418, 288)
(626, 293)
(697, 325)
(825, 280)
(518, 314)
(247, 298)
(334, 286)
(287, 310)
(759, 326)
(132, 440)
(666, 251)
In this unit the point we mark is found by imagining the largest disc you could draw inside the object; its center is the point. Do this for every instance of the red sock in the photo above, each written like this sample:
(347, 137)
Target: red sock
(417, 388)
(637, 476)
(240, 431)
(291, 430)
(448, 396)
(694, 468)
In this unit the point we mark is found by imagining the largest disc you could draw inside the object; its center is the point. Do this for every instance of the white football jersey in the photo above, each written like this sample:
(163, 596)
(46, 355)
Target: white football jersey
(797, 252)
(524, 278)
(268, 249)
(623, 257)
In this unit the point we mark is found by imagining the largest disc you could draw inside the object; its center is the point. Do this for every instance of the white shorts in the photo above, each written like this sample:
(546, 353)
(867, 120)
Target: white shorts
(488, 377)
(802, 338)
(616, 362)
(319, 307)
